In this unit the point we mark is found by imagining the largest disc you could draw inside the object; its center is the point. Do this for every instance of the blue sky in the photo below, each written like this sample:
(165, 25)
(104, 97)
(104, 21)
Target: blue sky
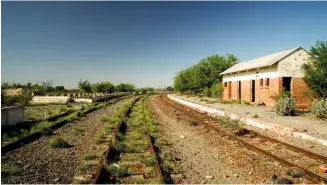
(145, 43)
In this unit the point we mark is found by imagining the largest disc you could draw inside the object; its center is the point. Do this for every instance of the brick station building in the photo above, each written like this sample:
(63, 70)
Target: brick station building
(258, 79)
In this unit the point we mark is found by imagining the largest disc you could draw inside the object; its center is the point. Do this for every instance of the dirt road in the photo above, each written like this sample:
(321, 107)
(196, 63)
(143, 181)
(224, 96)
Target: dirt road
(206, 157)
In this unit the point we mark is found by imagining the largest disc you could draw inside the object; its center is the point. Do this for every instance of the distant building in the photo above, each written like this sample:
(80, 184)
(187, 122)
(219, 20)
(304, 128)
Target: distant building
(258, 79)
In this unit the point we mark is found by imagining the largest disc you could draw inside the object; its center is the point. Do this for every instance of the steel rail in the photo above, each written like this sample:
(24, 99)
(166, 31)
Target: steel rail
(101, 171)
(314, 177)
(34, 136)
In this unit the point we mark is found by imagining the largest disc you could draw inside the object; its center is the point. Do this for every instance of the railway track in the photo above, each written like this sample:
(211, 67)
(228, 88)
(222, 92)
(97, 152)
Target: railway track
(36, 135)
(287, 155)
(132, 147)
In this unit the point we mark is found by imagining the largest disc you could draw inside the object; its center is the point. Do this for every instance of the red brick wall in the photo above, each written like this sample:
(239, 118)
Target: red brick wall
(234, 90)
(246, 90)
(263, 93)
(298, 87)
(225, 92)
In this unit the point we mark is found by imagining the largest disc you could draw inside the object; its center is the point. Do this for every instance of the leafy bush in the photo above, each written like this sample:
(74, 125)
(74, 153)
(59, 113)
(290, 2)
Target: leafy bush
(119, 170)
(319, 108)
(315, 70)
(58, 142)
(216, 91)
(285, 105)
(206, 92)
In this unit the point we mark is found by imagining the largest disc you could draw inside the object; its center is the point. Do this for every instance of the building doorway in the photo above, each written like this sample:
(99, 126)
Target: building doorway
(229, 90)
(239, 90)
(287, 84)
(252, 90)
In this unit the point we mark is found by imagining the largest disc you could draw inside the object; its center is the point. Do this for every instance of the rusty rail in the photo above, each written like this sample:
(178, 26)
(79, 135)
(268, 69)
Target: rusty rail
(314, 177)
(307, 153)
(156, 162)
(34, 136)
(101, 172)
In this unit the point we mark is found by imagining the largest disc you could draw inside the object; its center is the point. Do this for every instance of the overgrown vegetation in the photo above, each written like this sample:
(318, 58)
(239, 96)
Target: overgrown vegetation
(12, 134)
(204, 77)
(285, 105)
(316, 69)
(7, 170)
(133, 145)
(227, 123)
(319, 108)
(58, 142)
(89, 157)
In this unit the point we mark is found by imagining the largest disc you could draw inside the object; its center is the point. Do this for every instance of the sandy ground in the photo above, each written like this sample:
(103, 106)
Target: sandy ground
(38, 163)
(309, 125)
(206, 157)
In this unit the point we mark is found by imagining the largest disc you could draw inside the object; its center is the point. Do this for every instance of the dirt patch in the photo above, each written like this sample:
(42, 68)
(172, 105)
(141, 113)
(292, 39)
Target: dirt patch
(205, 157)
(39, 163)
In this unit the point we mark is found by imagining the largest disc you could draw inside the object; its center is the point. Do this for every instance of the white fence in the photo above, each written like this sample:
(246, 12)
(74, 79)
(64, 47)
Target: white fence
(64, 99)
(49, 99)
(10, 116)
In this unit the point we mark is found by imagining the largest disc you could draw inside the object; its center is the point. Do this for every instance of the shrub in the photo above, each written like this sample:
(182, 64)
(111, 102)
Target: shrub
(58, 142)
(118, 170)
(285, 105)
(246, 102)
(41, 126)
(255, 116)
(319, 108)
(89, 157)
(70, 100)
(84, 167)
(79, 129)
(99, 139)
(206, 92)
(10, 170)
(104, 118)
(216, 91)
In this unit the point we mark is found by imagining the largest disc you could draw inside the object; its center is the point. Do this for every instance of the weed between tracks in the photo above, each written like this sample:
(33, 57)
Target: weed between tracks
(58, 142)
(13, 134)
(135, 157)
(91, 161)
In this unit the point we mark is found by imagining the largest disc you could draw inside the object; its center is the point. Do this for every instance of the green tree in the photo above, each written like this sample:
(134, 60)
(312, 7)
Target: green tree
(124, 87)
(104, 87)
(203, 75)
(59, 88)
(85, 86)
(38, 90)
(169, 88)
(316, 69)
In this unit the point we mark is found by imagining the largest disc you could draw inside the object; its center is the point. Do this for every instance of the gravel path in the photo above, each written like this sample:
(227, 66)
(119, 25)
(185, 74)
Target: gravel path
(206, 157)
(38, 163)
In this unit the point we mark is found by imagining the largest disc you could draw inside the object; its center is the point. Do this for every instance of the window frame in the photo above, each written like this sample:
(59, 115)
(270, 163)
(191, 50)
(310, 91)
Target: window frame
(261, 83)
(267, 83)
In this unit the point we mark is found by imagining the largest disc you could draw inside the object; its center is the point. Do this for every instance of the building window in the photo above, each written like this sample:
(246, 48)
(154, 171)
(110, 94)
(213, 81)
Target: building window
(225, 84)
(261, 82)
(267, 82)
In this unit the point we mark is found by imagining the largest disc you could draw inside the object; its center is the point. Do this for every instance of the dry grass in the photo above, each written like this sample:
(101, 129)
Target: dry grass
(58, 142)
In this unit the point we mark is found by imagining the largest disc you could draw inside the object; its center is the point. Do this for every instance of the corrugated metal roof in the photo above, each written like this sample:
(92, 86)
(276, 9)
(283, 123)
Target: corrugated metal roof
(266, 60)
